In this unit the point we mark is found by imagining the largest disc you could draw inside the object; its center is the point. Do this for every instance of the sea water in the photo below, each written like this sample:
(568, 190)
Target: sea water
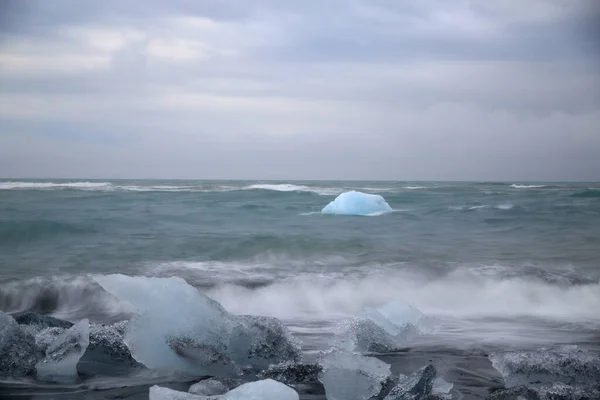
(498, 266)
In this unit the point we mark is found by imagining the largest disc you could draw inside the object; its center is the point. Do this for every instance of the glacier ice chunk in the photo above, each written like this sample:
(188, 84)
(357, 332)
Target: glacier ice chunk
(163, 393)
(18, 353)
(107, 353)
(414, 386)
(262, 341)
(357, 203)
(364, 336)
(348, 376)
(292, 373)
(63, 354)
(266, 389)
(208, 387)
(380, 330)
(395, 316)
(179, 328)
(566, 364)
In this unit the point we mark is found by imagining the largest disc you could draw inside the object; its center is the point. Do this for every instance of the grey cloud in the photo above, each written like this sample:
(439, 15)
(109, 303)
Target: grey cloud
(364, 90)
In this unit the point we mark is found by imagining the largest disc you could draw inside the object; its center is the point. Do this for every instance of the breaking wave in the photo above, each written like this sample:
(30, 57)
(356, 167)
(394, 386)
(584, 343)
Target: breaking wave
(458, 294)
(64, 297)
(462, 293)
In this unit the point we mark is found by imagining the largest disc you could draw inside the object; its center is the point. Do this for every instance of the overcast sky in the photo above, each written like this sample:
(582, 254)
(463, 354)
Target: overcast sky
(323, 89)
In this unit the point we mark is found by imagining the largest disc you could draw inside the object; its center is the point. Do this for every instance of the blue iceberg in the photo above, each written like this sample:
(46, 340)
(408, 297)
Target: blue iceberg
(357, 203)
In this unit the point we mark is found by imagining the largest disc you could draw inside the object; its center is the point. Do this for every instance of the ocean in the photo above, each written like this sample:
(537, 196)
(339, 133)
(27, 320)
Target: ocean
(501, 266)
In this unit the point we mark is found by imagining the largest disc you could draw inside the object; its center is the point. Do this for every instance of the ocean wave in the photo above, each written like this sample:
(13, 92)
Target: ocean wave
(460, 294)
(12, 232)
(54, 185)
(70, 298)
(414, 187)
(113, 187)
(516, 186)
(588, 193)
(288, 187)
(504, 206)
(464, 294)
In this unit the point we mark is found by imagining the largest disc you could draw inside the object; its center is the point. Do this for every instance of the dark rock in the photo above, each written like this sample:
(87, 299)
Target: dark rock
(18, 353)
(42, 321)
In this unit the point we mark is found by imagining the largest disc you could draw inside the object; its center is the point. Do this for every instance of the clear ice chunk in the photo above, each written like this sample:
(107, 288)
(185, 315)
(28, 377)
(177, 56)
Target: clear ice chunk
(347, 376)
(380, 330)
(262, 341)
(163, 393)
(266, 389)
(414, 386)
(208, 387)
(63, 354)
(18, 353)
(179, 328)
(567, 364)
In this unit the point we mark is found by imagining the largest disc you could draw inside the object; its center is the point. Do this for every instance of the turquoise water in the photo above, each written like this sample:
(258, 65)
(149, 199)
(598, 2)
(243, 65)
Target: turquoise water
(511, 264)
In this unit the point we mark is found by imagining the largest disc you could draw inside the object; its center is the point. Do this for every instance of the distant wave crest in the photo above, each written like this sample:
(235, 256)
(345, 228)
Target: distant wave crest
(516, 186)
(54, 185)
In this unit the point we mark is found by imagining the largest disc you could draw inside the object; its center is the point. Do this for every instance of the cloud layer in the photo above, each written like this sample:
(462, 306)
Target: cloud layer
(350, 89)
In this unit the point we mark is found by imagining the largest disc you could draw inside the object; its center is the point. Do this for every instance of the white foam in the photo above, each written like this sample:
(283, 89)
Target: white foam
(504, 206)
(414, 187)
(477, 207)
(288, 187)
(515, 186)
(462, 294)
(54, 185)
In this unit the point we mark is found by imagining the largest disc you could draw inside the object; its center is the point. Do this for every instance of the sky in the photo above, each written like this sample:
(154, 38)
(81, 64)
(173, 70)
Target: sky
(294, 90)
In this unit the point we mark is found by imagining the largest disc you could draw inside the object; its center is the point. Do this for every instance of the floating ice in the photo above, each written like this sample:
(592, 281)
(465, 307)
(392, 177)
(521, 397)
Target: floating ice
(349, 376)
(208, 387)
(357, 203)
(18, 353)
(267, 389)
(179, 328)
(63, 354)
